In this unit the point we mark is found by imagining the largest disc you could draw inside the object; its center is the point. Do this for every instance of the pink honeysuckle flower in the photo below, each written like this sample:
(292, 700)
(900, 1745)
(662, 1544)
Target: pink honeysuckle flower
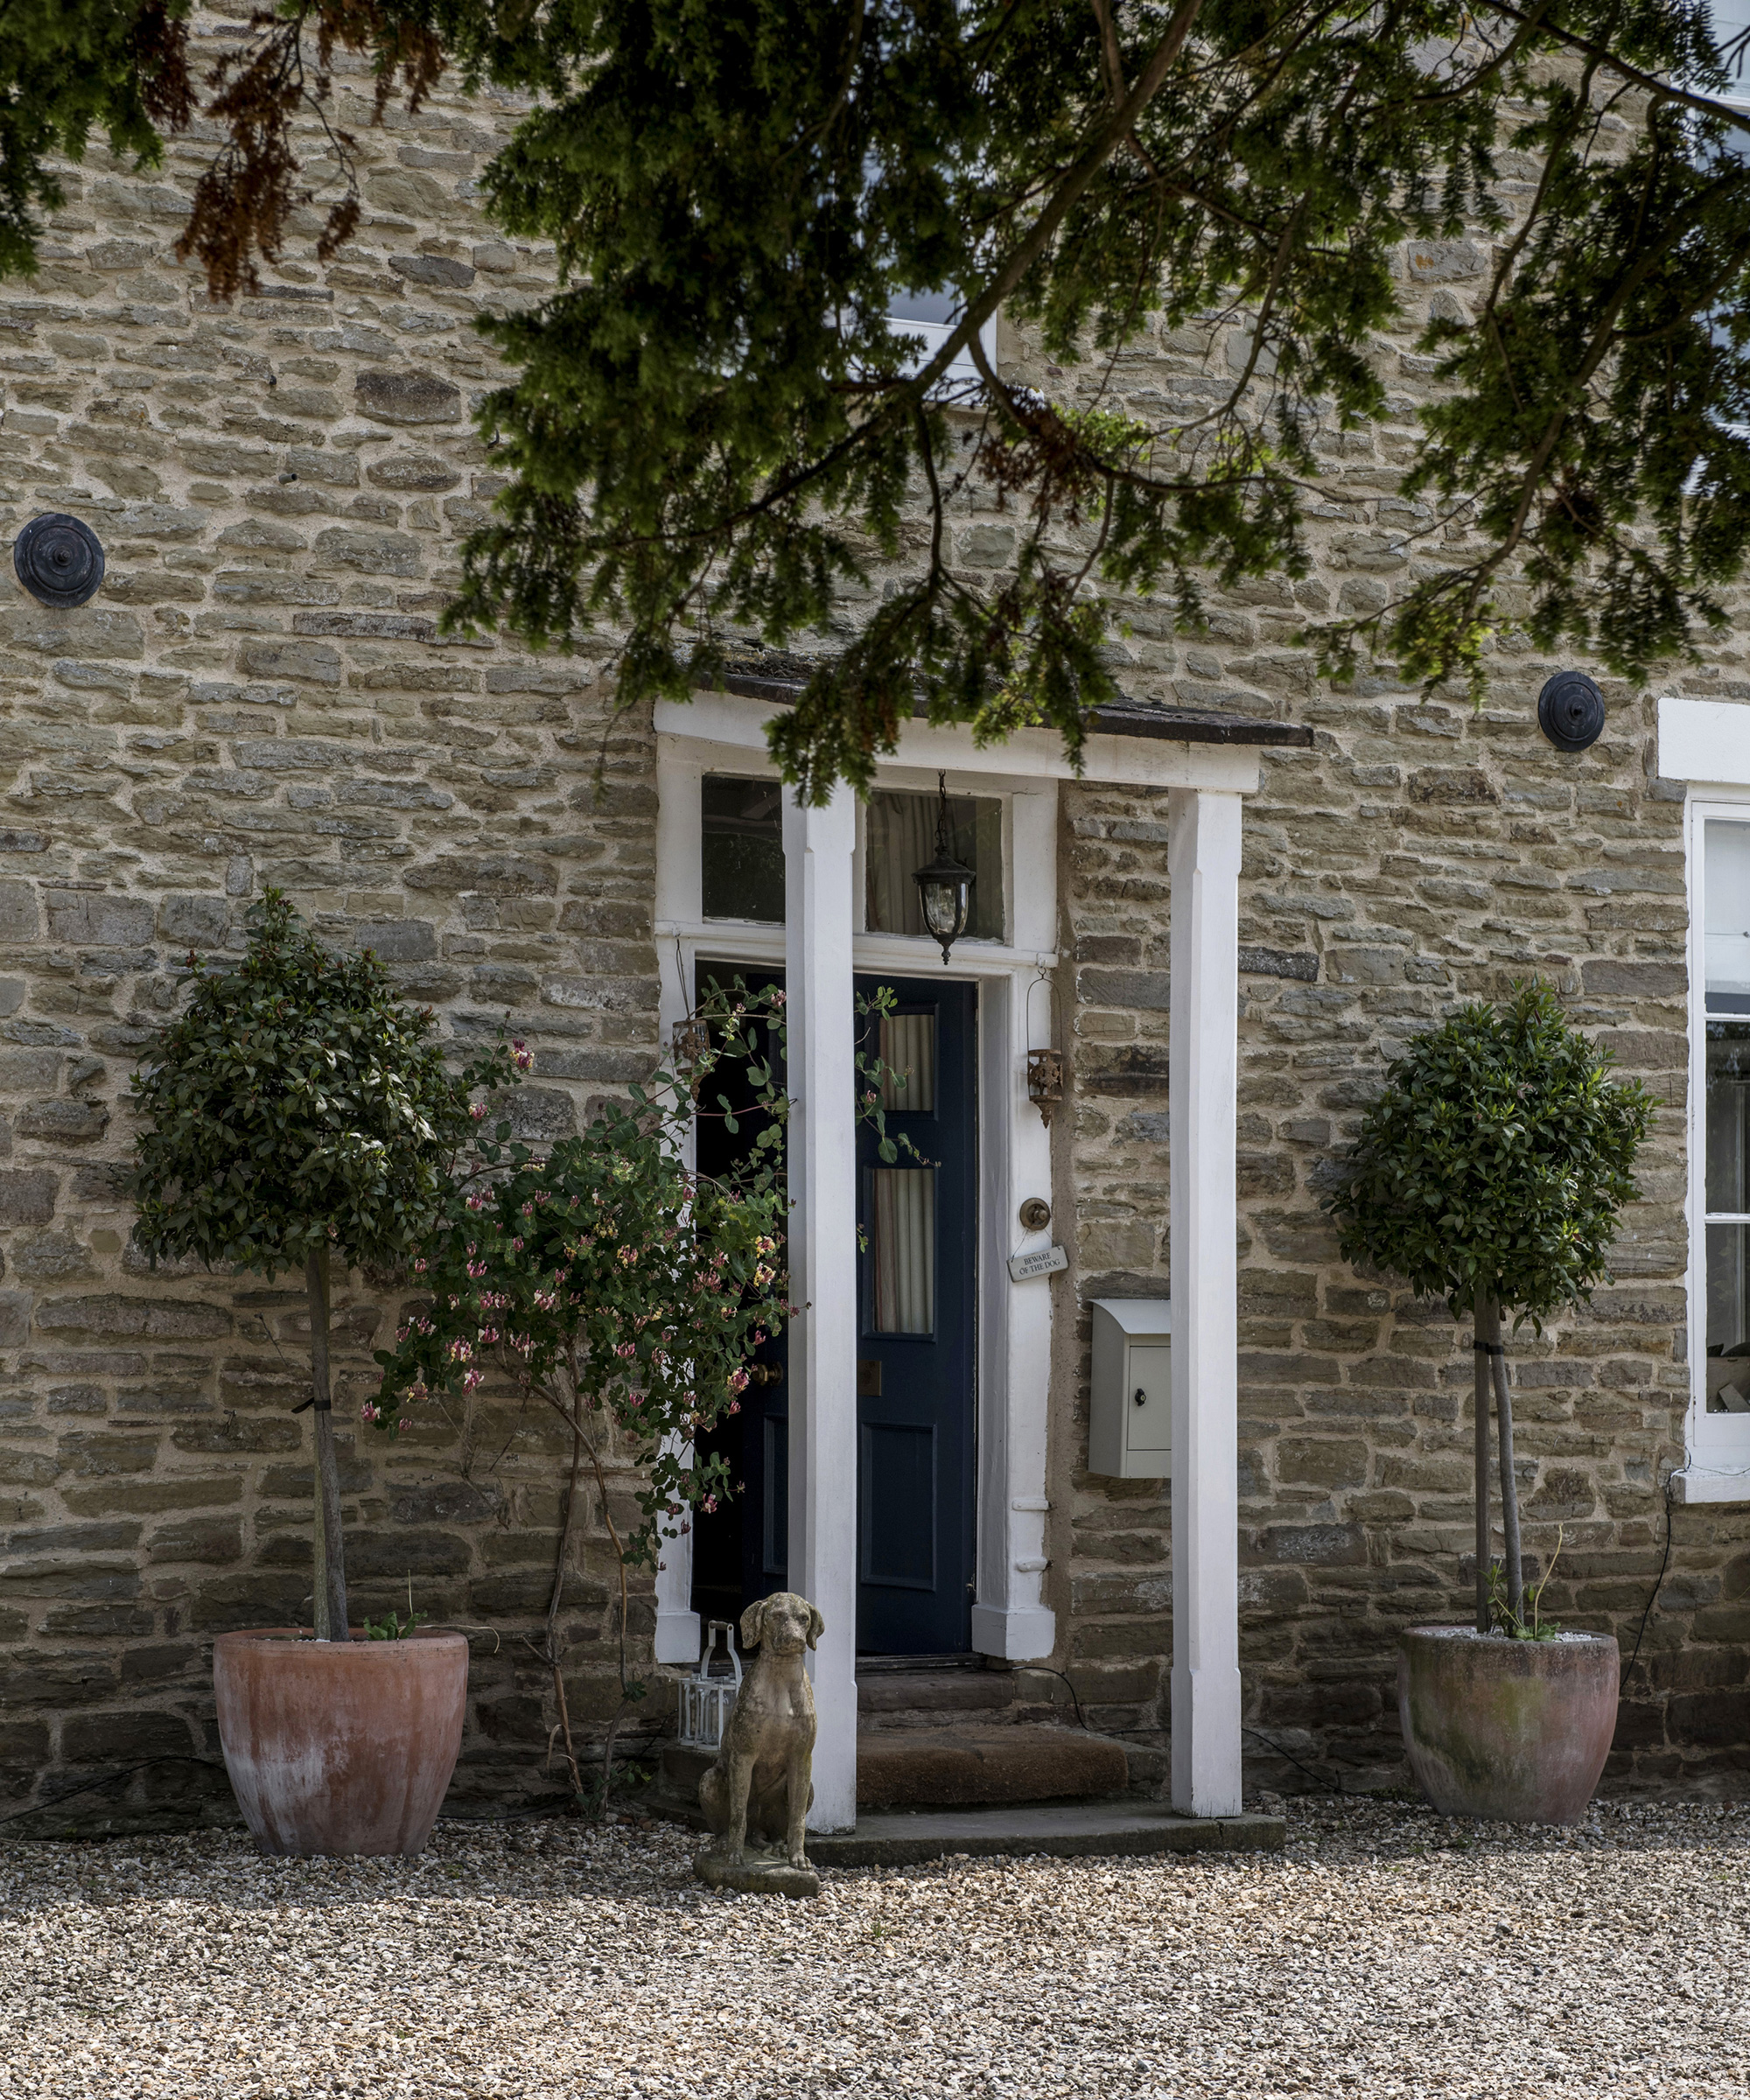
(406, 1422)
(522, 1056)
(738, 1379)
(516, 1246)
(420, 1267)
(471, 1379)
(478, 1110)
(477, 1202)
(735, 1407)
(371, 1412)
(623, 1349)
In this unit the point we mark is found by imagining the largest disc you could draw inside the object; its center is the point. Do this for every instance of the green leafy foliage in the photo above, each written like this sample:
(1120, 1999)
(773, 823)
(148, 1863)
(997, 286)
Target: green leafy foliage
(1495, 1161)
(716, 431)
(112, 66)
(296, 1106)
(614, 1284)
(617, 1284)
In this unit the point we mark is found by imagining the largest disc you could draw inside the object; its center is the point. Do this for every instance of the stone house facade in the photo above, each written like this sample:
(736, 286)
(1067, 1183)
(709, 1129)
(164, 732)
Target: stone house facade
(258, 695)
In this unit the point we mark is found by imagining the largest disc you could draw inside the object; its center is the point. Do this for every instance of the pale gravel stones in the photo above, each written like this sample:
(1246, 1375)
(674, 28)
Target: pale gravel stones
(1388, 1952)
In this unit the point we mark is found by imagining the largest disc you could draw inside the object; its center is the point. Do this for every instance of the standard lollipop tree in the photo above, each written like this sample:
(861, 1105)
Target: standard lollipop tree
(296, 1116)
(1491, 1173)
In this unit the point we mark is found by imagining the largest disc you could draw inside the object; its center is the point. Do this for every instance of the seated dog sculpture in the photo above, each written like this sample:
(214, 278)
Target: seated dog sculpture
(760, 1783)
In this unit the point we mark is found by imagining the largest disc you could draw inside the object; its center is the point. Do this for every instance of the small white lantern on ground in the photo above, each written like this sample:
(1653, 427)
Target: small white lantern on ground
(708, 1698)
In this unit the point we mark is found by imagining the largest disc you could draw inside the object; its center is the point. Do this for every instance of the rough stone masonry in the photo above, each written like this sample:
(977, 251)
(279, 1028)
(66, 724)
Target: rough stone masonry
(259, 695)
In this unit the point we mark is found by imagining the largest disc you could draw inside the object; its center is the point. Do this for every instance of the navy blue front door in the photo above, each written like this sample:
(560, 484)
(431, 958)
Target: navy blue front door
(916, 1318)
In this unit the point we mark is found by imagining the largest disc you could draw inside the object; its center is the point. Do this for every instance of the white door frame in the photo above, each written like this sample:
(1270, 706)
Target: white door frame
(1009, 1618)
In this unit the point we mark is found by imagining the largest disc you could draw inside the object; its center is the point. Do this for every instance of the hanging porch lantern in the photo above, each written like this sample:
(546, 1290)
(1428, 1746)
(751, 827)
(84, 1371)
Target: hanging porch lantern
(945, 884)
(1044, 1081)
(708, 1696)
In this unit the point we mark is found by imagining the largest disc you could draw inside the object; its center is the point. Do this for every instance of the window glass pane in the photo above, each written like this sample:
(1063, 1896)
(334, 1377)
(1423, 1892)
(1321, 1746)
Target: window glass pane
(908, 1058)
(1726, 884)
(1728, 1320)
(742, 850)
(1731, 19)
(941, 307)
(901, 837)
(902, 1250)
(1728, 1117)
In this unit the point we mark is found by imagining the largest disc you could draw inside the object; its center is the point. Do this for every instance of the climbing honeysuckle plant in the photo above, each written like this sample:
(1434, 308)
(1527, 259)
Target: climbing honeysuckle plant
(617, 1286)
(613, 1282)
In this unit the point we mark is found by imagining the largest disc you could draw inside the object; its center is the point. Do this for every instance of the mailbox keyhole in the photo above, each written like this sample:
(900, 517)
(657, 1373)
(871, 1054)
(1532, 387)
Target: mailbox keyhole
(1142, 1397)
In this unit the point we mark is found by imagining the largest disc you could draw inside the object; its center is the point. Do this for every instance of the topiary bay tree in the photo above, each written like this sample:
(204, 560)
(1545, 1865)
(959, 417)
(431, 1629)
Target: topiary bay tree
(1490, 1172)
(295, 1114)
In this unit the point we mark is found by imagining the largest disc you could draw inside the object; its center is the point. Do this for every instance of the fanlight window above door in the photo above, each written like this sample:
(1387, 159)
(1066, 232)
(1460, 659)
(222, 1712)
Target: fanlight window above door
(900, 838)
(741, 855)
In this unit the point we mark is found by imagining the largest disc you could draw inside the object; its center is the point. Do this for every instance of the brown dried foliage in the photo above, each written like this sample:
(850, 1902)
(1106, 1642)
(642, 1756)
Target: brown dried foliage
(161, 54)
(244, 200)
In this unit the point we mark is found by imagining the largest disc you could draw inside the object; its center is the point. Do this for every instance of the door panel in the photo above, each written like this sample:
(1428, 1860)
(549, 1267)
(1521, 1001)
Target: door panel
(916, 1312)
(897, 1491)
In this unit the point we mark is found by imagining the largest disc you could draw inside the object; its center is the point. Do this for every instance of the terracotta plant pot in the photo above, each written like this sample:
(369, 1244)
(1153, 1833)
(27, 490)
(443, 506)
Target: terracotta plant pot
(1507, 1730)
(340, 1746)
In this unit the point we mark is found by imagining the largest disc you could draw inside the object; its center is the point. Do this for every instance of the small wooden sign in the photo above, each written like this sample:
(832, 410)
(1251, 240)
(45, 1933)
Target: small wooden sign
(1044, 1261)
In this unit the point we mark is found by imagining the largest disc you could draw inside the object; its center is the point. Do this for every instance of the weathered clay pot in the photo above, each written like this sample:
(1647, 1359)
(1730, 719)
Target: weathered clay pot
(340, 1746)
(1507, 1730)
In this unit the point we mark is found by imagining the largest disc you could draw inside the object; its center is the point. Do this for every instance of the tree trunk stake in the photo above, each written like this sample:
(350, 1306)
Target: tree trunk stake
(330, 1562)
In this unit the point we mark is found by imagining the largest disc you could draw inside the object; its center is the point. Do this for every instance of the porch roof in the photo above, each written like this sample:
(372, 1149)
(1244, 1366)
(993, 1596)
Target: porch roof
(779, 679)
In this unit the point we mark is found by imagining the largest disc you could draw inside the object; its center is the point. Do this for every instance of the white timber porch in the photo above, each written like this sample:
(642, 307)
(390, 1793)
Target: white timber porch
(1204, 766)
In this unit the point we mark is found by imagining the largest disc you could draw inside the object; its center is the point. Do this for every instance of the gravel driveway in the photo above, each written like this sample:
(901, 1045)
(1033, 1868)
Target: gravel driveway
(1388, 1952)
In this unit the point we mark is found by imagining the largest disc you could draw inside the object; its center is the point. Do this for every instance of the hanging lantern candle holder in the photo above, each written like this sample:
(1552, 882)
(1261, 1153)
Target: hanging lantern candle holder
(944, 884)
(708, 1696)
(1044, 1081)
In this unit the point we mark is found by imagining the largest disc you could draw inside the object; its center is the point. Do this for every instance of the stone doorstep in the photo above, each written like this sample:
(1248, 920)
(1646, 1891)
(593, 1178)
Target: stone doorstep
(913, 1699)
(1057, 1830)
(1060, 1830)
(968, 1766)
(945, 1768)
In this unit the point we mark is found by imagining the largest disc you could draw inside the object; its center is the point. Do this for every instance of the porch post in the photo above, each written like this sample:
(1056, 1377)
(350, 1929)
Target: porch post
(1203, 858)
(818, 849)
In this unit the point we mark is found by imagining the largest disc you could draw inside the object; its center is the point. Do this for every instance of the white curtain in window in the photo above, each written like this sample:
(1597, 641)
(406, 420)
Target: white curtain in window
(903, 1248)
(908, 1053)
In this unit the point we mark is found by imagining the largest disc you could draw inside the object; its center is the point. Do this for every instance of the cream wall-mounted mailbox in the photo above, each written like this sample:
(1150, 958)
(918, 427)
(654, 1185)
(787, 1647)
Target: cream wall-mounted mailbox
(1130, 1414)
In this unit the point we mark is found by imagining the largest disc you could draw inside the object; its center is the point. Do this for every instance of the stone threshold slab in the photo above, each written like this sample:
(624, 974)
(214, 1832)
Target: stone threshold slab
(1067, 1830)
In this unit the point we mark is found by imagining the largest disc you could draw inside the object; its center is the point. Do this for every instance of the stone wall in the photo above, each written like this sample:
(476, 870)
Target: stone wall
(258, 696)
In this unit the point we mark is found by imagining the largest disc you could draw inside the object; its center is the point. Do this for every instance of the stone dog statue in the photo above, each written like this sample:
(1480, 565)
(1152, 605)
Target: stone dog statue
(760, 1783)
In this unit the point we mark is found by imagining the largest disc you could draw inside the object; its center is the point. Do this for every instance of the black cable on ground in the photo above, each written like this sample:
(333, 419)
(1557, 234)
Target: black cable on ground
(1280, 1751)
(1046, 1671)
(168, 1757)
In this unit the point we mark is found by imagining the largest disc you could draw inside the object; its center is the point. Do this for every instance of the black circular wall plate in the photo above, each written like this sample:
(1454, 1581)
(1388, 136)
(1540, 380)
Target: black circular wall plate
(59, 559)
(1571, 710)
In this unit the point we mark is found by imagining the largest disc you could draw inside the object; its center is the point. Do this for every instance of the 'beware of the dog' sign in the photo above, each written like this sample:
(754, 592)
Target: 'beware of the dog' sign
(1044, 1261)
